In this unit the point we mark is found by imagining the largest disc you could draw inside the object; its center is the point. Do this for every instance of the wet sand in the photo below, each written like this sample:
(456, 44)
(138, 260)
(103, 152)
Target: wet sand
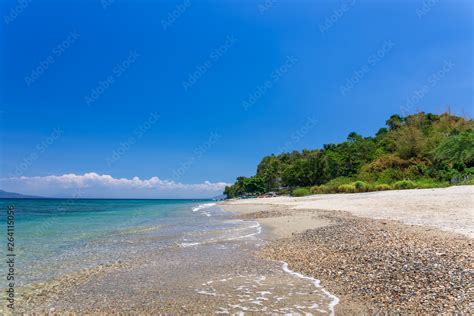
(407, 262)
(182, 281)
(277, 221)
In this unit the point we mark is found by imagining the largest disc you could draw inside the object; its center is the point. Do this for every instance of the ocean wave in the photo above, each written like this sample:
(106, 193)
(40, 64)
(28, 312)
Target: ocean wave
(258, 230)
(202, 206)
(317, 283)
(189, 244)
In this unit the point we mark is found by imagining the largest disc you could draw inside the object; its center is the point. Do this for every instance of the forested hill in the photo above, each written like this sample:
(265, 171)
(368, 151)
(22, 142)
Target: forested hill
(420, 150)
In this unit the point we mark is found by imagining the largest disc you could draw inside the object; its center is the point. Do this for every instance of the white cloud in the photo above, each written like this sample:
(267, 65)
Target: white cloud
(102, 185)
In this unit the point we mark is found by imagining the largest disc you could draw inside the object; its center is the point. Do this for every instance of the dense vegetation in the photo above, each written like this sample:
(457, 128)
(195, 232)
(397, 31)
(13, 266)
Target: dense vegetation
(417, 151)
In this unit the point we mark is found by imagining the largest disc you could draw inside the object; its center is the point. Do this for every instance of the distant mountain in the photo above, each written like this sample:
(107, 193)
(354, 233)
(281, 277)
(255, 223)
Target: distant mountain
(12, 195)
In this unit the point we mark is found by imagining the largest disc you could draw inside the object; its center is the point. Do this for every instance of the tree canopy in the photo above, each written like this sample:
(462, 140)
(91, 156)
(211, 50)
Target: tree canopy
(439, 147)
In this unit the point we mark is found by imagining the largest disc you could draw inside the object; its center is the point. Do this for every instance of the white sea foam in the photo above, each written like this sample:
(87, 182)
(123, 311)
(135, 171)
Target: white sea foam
(222, 310)
(207, 293)
(189, 244)
(317, 283)
(201, 206)
(254, 228)
(259, 230)
(257, 226)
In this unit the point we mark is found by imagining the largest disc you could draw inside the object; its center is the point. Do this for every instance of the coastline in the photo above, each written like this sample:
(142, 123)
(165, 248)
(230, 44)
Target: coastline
(212, 268)
(276, 256)
(376, 251)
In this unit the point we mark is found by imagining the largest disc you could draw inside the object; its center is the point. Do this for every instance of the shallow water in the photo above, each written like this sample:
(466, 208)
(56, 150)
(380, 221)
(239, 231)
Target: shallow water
(54, 237)
(180, 257)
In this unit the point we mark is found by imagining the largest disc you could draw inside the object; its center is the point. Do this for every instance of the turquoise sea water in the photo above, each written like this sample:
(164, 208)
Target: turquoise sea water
(58, 236)
(177, 252)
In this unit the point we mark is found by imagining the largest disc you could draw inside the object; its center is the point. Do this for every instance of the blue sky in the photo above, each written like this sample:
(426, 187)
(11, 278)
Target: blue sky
(194, 91)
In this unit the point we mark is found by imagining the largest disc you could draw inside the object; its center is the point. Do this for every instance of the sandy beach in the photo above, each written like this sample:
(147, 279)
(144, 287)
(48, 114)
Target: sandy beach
(384, 252)
(392, 251)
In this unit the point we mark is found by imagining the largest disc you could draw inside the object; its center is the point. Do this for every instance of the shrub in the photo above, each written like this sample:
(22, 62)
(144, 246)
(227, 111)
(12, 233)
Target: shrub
(382, 187)
(333, 185)
(404, 184)
(386, 176)
(300, 192)
(385, 162)
(315, 189)
(425, 183)
(346, 188)
(321, 189)
(459, 178)
(361, 186)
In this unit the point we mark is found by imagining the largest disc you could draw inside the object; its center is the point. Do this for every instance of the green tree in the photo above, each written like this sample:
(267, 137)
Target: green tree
(409, 142)
(394, 122)
(254, 185)
(298, 174)
(270, 171)
(413, 147)
(457, 149)
(229, 192)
